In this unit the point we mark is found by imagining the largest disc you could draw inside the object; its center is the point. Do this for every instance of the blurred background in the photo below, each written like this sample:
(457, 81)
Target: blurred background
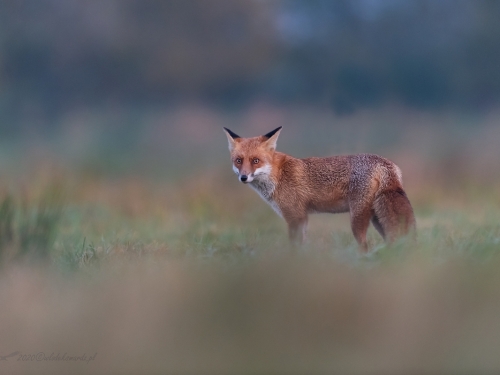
(62, 56)
(126, 86)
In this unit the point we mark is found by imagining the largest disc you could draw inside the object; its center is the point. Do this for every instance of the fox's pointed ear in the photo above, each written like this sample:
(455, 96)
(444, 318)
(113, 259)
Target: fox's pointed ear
(231, 137)
(271, 138)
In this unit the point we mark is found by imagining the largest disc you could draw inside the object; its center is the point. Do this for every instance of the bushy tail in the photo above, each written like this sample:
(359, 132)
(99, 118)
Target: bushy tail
(393, 214)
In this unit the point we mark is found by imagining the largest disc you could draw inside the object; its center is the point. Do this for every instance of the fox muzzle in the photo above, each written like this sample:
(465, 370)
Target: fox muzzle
(246, 178)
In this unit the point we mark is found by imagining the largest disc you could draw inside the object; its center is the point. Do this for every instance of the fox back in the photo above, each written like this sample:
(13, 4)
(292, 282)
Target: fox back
(367, 186)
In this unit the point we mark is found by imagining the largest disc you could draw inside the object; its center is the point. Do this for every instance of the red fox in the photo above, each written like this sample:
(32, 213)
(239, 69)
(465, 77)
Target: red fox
(367, 186)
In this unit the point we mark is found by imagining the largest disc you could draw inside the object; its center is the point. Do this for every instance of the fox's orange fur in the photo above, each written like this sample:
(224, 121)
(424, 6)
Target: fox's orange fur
(367, 186)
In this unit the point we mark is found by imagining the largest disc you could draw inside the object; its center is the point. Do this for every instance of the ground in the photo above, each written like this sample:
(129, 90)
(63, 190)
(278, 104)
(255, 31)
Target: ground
(190, 272)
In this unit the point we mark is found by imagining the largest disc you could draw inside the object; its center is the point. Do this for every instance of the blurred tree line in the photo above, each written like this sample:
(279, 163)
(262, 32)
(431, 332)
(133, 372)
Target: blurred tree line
(344, 54)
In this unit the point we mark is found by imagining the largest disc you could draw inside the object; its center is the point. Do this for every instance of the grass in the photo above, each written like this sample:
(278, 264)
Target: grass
(189, 221)
(193, 273)
(29, 229)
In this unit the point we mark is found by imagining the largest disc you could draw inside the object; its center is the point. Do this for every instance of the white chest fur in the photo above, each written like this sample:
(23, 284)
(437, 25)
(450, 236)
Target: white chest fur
(264, 186)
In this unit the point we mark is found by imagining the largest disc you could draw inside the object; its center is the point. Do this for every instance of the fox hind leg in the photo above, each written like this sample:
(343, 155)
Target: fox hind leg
(360, 220)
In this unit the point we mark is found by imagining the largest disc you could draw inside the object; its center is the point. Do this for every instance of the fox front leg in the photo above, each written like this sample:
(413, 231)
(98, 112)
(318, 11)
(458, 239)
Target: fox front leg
(297, 230)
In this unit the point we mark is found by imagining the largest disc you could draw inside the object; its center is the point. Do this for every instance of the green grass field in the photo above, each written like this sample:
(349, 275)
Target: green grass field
(152, 255)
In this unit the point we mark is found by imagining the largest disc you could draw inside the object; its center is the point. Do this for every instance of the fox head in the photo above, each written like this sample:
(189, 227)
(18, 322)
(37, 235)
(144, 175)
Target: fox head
(252, 157)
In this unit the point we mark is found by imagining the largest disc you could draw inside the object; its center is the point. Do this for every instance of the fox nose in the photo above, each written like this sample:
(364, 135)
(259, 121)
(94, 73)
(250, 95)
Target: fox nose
(244, 178)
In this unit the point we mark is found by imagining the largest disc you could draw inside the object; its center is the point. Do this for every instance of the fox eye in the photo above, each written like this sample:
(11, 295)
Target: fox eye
(256, 161)
(238, 160)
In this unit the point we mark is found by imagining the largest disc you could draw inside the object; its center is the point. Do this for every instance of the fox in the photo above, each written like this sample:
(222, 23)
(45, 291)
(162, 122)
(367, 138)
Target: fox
(367, 186)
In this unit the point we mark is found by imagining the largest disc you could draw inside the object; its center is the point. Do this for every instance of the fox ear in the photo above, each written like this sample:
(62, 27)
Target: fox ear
(231, 137)
(271, 138)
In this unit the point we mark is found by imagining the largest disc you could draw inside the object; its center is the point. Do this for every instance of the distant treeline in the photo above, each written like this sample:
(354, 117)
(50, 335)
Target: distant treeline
(344, 54)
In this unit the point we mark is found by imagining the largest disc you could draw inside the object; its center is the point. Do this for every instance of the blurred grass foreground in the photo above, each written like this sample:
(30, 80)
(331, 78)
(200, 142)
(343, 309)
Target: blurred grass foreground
(146, 255)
